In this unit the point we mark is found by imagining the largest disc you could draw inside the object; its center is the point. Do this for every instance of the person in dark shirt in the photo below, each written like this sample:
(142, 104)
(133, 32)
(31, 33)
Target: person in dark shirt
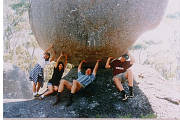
(122, 73)
(82, 81)
(53, 83)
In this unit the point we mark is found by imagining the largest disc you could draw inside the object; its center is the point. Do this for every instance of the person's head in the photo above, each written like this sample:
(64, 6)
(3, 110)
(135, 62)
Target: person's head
(46, 56)
(124, 57)
(88, 71)
(60, 66)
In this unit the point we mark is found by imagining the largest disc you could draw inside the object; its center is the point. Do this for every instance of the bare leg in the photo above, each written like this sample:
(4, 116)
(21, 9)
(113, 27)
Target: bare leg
(79, 86)
(75, 87)
(64, 83)
(38, 86)
(34, 87)
(50, 91)
(55, 88)
(118, 84)
(61, 88)
(130, 78)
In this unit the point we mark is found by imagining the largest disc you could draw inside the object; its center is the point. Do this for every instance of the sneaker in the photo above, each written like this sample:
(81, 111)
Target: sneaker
(41, 97)
(37, 95)
(131, 94)
(124, 97)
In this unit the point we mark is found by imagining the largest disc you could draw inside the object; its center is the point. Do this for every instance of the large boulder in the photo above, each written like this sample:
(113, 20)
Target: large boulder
(92, 29)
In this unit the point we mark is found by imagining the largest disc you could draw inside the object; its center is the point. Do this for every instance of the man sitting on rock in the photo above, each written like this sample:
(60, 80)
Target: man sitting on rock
(81, 82)
(122, 72)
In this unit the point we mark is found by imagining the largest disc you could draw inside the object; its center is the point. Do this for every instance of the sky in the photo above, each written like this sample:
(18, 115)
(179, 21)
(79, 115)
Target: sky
(173, 6)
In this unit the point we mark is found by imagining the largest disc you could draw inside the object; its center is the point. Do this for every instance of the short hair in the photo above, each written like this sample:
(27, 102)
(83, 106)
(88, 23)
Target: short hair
(46, 53)
(90, 68)
(85, 68)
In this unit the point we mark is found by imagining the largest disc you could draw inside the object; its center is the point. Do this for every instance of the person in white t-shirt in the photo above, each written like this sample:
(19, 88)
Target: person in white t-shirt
(36, 74)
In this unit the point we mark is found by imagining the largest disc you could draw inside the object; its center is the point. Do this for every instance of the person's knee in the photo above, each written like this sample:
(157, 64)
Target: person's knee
(63, 81)
(50, 88)
(55, 89)
(34, 83)
(116, 79)
(51, 91)
(74, 81)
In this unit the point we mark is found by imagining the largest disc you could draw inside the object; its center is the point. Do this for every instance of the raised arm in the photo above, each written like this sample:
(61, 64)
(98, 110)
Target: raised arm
(58, 60)
(80, 65)
(54, 55)
(108, 63)
(65, 63)
(132, 60)
(96, 67)
(51, 46)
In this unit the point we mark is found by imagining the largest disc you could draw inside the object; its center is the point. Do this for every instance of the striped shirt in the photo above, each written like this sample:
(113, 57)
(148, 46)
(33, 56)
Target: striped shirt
(85, 80)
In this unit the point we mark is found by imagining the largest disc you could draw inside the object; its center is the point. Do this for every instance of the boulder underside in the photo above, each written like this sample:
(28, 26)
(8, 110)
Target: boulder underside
(93, 29)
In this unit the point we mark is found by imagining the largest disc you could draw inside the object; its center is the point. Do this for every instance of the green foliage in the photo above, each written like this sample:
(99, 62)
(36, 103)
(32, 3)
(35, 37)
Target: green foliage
(20, 7)
(143, 45)
(13, 21)
(126, 116)
(149, 116)
(101, 116)
(98, 116)
(174, 16)
(138, 46)
(18, 49)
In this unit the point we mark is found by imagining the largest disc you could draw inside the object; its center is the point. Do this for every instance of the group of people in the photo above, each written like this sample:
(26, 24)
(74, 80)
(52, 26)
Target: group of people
(121, 73)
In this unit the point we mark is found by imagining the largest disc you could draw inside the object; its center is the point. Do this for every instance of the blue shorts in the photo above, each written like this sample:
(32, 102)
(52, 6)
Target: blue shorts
(49, 84)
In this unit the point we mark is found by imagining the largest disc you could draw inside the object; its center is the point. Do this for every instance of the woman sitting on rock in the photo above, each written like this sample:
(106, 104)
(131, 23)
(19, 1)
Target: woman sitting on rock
(53, 83)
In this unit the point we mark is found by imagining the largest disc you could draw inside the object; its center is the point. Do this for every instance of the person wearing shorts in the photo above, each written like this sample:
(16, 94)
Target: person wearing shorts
(122, 73)
(82, 81)
(37, 73)
(53, 83)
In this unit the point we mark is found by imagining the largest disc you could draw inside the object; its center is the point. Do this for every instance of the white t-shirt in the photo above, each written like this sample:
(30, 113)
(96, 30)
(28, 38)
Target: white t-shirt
(42, 62)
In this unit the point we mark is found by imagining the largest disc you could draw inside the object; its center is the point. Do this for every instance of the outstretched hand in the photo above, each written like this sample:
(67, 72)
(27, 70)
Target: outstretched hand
(52, 46)
(99, 60)
(62, 54)
(84, 61)
(110, 57)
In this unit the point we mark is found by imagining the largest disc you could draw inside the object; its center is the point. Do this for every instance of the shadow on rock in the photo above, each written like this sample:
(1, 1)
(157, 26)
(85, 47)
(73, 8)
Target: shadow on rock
(99, 99)
(15, 83)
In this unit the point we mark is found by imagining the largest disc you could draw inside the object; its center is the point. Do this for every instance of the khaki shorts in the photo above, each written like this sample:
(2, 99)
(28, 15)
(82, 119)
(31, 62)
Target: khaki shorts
(121, 76)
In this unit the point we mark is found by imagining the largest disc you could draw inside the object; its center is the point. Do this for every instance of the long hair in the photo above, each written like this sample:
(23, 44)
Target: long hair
(62, 65)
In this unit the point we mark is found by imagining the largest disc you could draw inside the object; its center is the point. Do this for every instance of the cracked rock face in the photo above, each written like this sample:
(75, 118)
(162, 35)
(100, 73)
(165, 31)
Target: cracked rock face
(92, 29)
